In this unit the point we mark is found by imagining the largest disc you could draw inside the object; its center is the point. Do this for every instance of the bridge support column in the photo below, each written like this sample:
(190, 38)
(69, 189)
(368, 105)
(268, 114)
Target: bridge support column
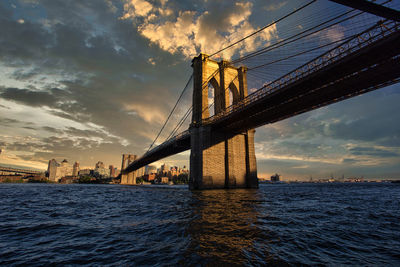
(128, 178)
(219, 159)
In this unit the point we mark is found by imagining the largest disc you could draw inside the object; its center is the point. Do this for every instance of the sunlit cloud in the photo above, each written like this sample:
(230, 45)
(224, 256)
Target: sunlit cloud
(192, 32)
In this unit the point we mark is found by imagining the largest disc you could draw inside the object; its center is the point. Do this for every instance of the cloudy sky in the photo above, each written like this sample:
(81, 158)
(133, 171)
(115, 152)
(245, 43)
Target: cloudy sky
(91, 80)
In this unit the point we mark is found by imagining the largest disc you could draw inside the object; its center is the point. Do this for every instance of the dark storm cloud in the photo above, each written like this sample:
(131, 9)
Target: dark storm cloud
(106, 60)
(371, 151)
(371, 117)
(350, 161)
(28, 97)
(7, 121)
(51, 129)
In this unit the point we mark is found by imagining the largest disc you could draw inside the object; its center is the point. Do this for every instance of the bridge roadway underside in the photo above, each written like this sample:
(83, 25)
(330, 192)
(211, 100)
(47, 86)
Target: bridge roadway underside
(179, 145)
(368, 69)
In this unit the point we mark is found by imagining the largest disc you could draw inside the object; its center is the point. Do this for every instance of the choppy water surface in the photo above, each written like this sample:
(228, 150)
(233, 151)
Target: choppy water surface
(324, 224)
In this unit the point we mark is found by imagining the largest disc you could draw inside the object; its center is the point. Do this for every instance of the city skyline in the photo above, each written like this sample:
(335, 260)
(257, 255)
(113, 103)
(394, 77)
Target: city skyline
(93, 80)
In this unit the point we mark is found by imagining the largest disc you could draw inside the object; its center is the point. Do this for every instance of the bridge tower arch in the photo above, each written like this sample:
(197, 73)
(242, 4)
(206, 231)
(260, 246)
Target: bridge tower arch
(219, 159)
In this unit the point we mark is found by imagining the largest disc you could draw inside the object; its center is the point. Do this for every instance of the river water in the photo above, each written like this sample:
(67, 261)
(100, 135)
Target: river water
(113, 225)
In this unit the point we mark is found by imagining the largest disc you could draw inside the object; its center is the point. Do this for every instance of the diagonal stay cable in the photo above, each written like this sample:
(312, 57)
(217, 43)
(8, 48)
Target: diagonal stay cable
(188, 111)
(283, 42)
(170, 114)
(291, 40)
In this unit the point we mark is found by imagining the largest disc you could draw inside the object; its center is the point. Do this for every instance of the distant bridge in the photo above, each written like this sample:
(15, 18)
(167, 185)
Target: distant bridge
(16, 171)
(222, 145)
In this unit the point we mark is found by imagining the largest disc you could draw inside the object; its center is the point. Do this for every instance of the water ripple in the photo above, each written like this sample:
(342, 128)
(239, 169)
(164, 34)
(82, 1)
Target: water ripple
(295, 224)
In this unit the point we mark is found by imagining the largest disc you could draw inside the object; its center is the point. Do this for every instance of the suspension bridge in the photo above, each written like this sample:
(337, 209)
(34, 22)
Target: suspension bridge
(316, 60)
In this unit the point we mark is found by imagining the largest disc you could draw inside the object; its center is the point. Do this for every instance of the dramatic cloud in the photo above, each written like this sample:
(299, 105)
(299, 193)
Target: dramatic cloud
(192, 32)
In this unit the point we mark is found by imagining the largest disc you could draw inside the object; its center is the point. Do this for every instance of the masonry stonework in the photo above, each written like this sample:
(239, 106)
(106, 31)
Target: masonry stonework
(128, 178)
(218, 160)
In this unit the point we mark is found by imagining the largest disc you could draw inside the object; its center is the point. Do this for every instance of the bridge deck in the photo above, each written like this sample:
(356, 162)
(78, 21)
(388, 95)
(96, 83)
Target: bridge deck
(367, 69)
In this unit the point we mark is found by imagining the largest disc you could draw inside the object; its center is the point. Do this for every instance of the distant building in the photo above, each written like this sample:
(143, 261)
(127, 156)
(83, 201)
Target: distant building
(164, 169)
(52, 169)
(75, 169)
(68, 179)
(149, 177)
(148, 169)
(63, 170)
(85, 172)
(100, 170)
(99, 164)
(164, 180)
(275, 178)
(58, 170)
(112, 171)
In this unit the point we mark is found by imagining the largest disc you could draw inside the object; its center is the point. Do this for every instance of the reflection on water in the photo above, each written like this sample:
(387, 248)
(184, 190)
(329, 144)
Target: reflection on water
(97, 225)
(223, 225)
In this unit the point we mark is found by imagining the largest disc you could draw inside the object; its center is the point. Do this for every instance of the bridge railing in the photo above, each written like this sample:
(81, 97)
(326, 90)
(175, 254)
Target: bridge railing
(358, 42)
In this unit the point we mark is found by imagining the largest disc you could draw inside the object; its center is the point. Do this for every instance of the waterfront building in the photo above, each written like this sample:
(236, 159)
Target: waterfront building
(150, 169)
(75, 169)
(85, 172)
(112, 171)
(52, 169)
(164, 169)
(63, 170)
(100, 170)
(275, 178)
(99, 164)
(149, 177)
(58, 170)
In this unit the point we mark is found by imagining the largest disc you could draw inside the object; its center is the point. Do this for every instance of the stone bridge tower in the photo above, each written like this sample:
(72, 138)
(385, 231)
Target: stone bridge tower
(128, 178)
(219, 159)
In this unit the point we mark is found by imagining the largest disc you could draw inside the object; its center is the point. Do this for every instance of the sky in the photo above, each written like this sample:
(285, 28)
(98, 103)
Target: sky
(90, 80)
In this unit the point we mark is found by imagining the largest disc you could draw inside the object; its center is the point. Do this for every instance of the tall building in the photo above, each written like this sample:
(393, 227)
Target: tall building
(148, 169)
(58, 170)
(275, 178)
(99, 164)
(164, 168)
(52, 169)
(112, 171)
(63, 170)
(75, 169)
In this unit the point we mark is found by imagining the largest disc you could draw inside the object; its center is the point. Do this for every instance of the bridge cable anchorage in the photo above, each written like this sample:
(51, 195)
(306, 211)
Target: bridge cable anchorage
(170, 114)
(263, 28)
